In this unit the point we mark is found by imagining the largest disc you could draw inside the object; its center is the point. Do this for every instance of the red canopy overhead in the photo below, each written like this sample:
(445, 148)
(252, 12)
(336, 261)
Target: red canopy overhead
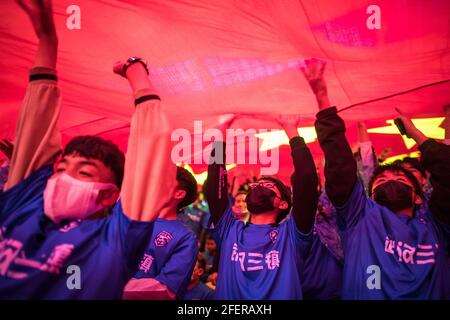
(210, 58)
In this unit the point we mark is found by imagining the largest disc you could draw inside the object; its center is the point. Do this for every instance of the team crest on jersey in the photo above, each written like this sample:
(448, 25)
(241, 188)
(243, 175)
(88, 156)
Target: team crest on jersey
(163, 238)
(273, 235)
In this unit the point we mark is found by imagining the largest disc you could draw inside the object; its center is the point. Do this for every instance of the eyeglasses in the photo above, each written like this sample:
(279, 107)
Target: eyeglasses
(262, 184)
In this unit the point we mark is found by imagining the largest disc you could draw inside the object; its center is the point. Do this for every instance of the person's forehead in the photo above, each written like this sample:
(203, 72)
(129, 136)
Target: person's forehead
(76, 159)
(410, 167)
(390, 173)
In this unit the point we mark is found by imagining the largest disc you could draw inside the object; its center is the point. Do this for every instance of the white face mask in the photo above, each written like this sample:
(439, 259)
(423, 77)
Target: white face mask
(69, 198)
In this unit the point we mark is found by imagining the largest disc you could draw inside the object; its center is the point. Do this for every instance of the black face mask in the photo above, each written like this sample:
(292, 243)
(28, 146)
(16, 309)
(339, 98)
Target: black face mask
(260, 199)
(394, 195)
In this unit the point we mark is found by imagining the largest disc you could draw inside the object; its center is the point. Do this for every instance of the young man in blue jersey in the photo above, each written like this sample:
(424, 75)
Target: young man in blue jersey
(322, 277)
(240, 206)
(413, 165)
(63, 235)
(197, 290)
(389, 252)
(210, 253)
(263, 259)
(166, 267)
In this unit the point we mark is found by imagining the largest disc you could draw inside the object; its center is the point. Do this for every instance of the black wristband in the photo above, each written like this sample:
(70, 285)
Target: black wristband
(43, 76)
(146, 98)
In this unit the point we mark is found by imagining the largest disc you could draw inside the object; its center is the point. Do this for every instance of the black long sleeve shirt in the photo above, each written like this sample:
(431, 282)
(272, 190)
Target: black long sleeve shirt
(340, 165)
(436, 160)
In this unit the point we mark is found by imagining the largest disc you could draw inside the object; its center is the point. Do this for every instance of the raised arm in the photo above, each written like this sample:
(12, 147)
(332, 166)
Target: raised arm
(216, 189)
(305, 184)
(37, 140)
(340, 165)
(436, 160)
(367, 162)
(150, 175)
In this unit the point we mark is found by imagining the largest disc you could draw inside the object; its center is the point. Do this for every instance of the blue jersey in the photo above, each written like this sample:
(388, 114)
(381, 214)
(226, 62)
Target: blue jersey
(43, 260)
(322, 275)
(170, 256)
(259, 262)
(199, 292)
(392, 256)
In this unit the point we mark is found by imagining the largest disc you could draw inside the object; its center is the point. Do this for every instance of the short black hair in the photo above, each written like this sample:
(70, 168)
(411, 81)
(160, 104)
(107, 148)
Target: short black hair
(92, 147)
(241, 192)
(286, 195)
(413, 162)
(395, 167)
(186, 182)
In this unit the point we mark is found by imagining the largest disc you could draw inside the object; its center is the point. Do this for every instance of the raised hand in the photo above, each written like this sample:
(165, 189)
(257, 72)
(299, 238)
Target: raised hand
(118, 68)
(411, 130)
(363, 136)
(288, 120)
(135, 71)
(41, 16)
(313, 71)
(289, 123)
(121, 67)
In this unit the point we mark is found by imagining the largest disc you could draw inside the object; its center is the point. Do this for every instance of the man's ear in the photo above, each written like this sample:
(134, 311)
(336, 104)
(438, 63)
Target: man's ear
(417, 200)
(283, 205)
(108, 197)
(179, 194)
(200, 271)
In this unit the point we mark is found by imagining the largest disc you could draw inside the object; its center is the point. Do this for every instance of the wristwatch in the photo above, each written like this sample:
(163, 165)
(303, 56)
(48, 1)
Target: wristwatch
(133, 60)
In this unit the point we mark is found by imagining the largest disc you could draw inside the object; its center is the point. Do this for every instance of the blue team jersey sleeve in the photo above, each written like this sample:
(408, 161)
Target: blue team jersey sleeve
(26, 193)
(353, 210)
(223, 227)
(129, 237)
(176, 273)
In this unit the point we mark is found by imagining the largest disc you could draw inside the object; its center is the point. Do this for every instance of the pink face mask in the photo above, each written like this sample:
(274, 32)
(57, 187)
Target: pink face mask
(69, 198)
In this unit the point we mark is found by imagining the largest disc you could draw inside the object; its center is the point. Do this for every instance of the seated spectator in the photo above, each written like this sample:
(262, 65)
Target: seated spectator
(197, 290)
